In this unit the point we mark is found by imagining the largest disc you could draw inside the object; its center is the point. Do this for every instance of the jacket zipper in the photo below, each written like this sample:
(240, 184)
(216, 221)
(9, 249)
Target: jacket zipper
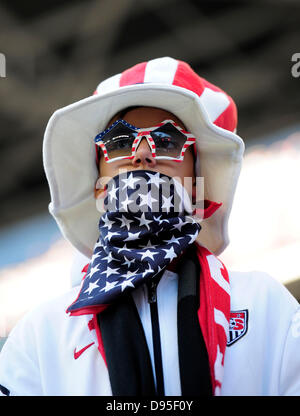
(152, 300)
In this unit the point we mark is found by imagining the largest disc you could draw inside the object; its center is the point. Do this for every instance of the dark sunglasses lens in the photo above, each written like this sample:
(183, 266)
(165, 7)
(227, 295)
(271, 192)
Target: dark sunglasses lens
(118, 141)
(168, 140)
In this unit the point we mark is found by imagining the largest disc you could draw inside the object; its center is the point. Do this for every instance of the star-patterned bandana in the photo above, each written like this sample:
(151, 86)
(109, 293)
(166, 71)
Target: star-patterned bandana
(145, 226)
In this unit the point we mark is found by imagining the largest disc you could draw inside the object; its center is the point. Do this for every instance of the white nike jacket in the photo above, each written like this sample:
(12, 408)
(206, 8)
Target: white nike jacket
(50, 353)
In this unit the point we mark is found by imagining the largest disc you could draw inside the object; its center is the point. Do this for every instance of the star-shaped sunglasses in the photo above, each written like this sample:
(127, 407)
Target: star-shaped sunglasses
(167, 140)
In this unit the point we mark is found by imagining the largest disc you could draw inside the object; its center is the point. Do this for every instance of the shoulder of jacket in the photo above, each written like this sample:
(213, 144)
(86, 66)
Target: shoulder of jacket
(52, 311)
(260, 288)
(254, 278)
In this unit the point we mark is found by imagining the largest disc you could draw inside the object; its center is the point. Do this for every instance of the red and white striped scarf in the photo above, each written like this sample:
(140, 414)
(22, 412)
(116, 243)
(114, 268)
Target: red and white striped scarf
(214, 312)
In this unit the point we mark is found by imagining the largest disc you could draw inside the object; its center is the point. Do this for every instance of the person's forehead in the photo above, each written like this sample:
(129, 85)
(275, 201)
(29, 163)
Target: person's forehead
(145, 116)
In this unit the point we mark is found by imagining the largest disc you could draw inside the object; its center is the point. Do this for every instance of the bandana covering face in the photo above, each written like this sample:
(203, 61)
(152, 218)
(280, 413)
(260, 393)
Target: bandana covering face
(144, 228)
(146, 225)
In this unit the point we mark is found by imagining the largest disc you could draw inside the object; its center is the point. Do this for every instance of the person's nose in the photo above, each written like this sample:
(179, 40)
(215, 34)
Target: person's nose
(143, 155)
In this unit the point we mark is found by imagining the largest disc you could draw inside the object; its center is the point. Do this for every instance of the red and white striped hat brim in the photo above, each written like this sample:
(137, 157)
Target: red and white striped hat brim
(206, 111)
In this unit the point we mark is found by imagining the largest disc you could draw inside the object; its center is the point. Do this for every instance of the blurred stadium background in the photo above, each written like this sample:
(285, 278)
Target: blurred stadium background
(57, 52)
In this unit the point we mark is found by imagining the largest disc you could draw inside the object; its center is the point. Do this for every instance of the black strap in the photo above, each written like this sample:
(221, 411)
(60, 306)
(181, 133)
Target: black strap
(4, 390)
(126, 350)
(193, 357)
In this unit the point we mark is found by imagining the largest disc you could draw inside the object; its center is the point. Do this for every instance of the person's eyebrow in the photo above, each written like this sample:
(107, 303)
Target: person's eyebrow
(126, 124)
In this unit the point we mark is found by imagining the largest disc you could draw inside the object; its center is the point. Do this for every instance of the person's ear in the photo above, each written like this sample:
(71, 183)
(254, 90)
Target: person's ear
(99, 188)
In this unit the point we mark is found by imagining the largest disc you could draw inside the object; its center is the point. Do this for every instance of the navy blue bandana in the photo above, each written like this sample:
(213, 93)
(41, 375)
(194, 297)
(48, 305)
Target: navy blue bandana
(146, 225)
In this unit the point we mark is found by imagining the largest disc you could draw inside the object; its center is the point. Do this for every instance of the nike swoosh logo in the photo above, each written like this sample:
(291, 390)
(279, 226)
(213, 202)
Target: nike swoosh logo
(77, 354)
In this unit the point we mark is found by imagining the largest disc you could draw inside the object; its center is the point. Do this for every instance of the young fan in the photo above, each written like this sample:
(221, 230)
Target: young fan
(156, 313)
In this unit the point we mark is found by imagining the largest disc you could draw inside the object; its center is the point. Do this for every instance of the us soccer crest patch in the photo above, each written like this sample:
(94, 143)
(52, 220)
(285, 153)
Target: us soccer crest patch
(238, 325)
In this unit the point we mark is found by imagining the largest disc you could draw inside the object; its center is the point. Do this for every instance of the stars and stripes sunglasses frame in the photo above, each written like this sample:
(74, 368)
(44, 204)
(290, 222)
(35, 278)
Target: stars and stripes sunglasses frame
(148, 133)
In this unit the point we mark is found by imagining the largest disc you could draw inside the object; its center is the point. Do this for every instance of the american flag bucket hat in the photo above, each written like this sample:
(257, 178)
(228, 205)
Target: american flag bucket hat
(206, 111)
